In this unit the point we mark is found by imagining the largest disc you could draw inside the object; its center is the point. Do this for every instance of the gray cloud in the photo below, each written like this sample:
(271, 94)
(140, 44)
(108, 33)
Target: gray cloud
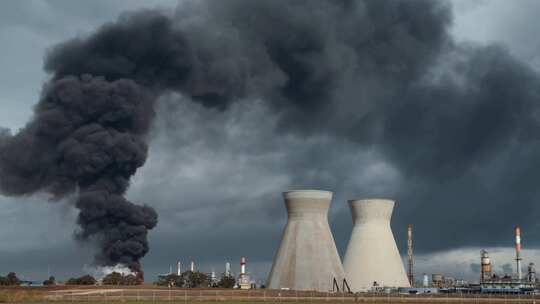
(475, 267)
(507, 268)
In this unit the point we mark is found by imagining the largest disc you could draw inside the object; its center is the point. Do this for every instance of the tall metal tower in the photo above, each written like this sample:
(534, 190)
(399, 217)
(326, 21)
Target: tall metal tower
(518, 254)
(410, 255)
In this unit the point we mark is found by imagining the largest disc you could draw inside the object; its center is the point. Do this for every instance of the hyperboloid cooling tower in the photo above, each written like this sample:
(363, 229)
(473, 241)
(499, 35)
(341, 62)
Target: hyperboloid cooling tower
(307, 258)
(372, 257)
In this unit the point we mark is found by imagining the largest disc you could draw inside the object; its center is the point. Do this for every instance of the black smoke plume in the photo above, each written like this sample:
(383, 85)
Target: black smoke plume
(384, 75)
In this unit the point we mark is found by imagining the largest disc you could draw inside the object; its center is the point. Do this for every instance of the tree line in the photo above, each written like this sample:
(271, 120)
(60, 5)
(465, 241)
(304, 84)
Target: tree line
(10, 279)
(188, 279)
(113, 278)
(195, 279)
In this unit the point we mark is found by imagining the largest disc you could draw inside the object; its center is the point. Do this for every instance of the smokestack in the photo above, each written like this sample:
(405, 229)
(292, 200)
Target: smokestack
(307, 257)
(518, 253)
(192, 266)
(410, 255)
(485, 266)
(372, 254)
(228, 269)
(178, 268)
(242, 268)
(425, 281)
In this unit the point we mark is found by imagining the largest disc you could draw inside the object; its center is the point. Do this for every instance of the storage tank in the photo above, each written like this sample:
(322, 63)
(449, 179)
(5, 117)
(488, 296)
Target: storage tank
(437, 279)
(307, 257)
(485, 266)
(531, 273)
(372, 257)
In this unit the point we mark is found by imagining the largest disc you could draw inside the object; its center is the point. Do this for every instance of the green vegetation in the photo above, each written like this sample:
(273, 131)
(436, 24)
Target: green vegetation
(10, 280)
(116, 278)
(188, 279)
(84, 280)
(226, 281)
(50, 281)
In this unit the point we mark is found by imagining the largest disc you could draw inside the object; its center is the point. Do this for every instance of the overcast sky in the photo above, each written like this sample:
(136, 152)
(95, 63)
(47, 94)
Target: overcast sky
(215, 178)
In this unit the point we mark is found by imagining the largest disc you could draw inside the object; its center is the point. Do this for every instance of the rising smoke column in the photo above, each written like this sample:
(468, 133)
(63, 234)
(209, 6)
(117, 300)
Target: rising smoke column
(87, 140)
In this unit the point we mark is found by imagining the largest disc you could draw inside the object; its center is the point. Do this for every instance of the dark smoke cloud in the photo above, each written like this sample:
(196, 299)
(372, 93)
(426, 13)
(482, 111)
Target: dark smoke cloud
(87, 139)
(384, 76)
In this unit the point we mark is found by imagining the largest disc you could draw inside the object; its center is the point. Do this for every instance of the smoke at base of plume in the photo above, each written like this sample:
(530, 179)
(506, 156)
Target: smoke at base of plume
(379, 74)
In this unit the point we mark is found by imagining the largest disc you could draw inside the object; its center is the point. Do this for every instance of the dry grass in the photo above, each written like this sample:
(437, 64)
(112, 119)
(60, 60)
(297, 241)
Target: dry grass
(160, 296)
(17, 295)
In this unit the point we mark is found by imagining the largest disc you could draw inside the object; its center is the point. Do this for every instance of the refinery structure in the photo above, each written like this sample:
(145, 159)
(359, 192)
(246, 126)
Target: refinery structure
(307, 258)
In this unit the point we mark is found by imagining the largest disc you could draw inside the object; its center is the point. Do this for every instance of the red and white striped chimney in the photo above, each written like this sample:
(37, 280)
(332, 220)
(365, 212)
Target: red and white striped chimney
(518, 253)
(242, 267)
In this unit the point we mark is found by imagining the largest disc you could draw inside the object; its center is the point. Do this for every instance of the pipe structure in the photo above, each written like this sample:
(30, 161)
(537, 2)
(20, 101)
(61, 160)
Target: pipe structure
(178, 268)
(372, 257)
(307, 257)
(518, 254)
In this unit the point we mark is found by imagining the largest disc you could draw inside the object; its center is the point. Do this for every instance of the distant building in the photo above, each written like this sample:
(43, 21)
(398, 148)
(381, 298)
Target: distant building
(506, 285)
(31, 283)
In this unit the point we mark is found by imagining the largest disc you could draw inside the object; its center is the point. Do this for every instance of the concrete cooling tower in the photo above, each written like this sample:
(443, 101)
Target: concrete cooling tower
(372, 256)
(307, 258)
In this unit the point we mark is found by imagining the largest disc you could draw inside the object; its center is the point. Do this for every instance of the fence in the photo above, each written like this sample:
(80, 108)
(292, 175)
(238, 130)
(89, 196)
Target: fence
(271, 296)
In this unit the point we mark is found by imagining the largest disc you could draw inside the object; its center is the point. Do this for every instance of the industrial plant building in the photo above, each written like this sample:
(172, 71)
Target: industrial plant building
(493, 283)
(307, 257)
(372, 258)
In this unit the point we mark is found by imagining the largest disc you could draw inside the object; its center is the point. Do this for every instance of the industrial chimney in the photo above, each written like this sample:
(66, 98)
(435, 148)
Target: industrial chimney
(242, 268)
(372, 257)
(518, 254)
(227, 269)
(307, 257)
(410, 274)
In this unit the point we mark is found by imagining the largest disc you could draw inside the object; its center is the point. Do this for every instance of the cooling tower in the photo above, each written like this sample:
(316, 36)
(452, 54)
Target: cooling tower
(372, 257)
(307, 258)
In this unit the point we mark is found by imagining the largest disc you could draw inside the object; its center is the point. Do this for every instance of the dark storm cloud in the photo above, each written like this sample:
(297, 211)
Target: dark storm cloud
(457, 123)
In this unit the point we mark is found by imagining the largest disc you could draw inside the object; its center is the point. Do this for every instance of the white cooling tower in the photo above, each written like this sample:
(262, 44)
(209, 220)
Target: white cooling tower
(307, 258)
(372, 257)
